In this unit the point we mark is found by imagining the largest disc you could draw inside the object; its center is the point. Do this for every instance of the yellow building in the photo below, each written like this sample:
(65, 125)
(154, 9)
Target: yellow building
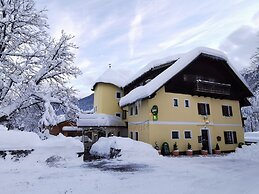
(191, 98)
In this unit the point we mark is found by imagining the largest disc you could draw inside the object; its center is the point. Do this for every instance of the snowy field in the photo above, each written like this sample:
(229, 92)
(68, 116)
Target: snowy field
(53, 167)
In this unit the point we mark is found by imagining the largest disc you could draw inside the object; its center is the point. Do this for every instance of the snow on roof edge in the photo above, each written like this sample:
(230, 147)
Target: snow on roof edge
(99, 120)
(151, 65)
(147, 90)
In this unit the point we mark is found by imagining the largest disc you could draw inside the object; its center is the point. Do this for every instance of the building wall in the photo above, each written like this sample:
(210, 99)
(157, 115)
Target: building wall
(105, 100)
(182, 118)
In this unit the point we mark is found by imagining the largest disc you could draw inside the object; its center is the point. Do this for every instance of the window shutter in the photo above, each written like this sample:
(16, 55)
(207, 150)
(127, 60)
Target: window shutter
(235, 137)
(224, 110)
(226, 137)
(208, 109)
(230, 111)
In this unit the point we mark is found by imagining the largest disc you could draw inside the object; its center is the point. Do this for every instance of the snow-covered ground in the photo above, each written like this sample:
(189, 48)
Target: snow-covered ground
(53, 167)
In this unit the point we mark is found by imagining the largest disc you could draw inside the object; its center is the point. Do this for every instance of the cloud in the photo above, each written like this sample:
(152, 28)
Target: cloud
(240, 46)
(135, 32)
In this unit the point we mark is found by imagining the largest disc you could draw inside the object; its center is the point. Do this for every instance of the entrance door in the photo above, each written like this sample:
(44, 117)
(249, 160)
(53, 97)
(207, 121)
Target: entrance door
(205, 139)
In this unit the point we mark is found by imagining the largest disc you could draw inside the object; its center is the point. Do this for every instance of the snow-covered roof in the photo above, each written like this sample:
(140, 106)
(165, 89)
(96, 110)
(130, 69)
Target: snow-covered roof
(70, 128)
(99, 120)
(151, 65)
(111, 76)
(183, 60)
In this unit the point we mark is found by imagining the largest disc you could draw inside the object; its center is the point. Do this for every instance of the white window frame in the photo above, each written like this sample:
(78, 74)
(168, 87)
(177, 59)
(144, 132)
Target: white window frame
(187, 131)
(177, 102)
(117, 93)
(179, 136)
(188, 103)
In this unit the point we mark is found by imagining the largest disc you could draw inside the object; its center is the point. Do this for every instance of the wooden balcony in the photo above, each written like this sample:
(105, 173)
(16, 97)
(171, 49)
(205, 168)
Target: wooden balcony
(203, 86)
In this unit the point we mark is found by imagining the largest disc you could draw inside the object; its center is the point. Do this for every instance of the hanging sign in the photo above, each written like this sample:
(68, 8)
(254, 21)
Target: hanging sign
(154, 111)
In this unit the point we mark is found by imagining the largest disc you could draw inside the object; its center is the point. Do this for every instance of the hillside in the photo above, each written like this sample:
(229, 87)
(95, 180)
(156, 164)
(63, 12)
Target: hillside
(86, 103)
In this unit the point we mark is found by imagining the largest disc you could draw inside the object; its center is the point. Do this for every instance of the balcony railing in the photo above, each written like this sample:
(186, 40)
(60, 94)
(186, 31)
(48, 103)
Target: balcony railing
(212, 87)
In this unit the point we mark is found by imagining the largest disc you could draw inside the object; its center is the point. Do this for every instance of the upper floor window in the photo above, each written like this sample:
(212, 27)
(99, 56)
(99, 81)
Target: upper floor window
(124, 114)
(131, 110)
(227, 111)
(136, 110)
(118, 95)
(175, 102)
(203, 109)
(175, 135)
(230, 137)
(186, 103)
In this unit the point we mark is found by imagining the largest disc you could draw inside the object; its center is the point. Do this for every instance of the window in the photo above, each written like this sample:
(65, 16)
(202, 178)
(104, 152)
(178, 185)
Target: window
(118, 114)
(187, 134)
(175, 102)
(131, 135)
(131, 110)
(124, 114)
(118, 95)
(203, 109)
(175, 135)
(136, 110)
(230, 137)
(186, 103)
(227, 111)
(136, 136)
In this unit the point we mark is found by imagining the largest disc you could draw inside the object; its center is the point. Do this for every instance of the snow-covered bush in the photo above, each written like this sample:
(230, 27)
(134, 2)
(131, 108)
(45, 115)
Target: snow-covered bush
(131, 150)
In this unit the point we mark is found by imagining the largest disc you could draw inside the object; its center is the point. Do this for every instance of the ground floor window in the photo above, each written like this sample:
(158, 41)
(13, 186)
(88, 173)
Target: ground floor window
(187, 134)
(230, 137)
(131, 135)
(175, 135)
(136, 136)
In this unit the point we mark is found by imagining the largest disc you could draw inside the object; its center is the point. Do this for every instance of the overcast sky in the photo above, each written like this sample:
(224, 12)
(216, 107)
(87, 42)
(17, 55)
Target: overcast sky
(130, 33)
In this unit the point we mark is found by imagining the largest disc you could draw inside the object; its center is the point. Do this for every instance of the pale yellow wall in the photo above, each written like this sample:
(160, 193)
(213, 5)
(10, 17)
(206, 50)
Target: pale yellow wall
(105, 99)
(182, 118)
